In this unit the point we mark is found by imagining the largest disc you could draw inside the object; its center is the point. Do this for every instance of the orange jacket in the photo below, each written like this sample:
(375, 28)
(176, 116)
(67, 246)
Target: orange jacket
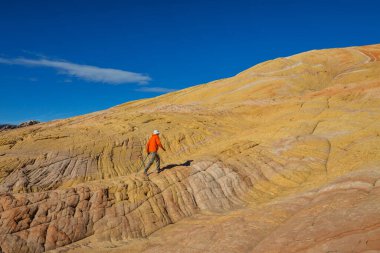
(153, 144)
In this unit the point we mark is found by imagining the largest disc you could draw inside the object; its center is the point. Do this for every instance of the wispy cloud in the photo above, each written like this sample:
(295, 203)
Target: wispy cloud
(155, 89)
(33, 79)
(85, 72)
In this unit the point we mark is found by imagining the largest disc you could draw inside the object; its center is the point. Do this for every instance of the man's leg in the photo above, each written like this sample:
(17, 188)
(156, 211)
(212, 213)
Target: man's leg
(150, 162)
(158, 163)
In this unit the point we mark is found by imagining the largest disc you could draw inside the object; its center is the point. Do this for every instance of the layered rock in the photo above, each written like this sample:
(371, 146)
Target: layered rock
(127, 207)
(281, 157)
(341, 216)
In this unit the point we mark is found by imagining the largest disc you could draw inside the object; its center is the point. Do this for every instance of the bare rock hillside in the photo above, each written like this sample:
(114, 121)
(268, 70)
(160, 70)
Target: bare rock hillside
(283, 157)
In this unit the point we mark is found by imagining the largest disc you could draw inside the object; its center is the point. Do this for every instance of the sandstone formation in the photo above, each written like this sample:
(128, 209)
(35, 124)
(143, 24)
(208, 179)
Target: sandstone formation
(283, 157)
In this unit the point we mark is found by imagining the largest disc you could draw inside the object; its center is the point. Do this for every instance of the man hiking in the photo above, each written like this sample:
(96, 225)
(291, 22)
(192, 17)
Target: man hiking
(151, 148)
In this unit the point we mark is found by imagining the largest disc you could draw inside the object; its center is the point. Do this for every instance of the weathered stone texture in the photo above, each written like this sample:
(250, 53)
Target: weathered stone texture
(283, 157)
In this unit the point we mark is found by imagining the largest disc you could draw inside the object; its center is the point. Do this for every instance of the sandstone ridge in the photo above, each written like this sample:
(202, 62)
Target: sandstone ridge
(283, 157)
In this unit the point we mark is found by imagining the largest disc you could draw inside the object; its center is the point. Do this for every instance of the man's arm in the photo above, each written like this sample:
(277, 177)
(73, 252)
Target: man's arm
(147, 147)
(159, 143)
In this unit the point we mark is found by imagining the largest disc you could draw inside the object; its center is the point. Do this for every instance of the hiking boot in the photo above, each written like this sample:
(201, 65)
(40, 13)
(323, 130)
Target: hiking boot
(158, 171)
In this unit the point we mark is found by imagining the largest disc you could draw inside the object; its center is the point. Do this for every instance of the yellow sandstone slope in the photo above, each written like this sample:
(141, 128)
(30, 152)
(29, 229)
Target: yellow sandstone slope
(283, 157)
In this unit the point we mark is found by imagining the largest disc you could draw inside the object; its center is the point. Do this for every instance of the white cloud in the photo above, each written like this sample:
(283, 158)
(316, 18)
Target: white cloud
(5, 61)
(85, 72)
(155, 89)
(33, 79)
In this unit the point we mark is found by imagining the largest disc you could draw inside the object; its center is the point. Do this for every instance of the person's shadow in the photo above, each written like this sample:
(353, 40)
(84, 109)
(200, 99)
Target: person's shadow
(170, 166)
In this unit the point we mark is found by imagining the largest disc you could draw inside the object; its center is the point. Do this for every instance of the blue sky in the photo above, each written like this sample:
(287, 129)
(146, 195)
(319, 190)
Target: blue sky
(63, 58)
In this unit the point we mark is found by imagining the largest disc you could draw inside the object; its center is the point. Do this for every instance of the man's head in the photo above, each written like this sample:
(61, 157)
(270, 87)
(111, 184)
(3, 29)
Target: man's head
(156, 132)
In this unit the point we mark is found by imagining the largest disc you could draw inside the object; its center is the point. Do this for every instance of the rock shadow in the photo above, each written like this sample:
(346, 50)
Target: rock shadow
(170, 166)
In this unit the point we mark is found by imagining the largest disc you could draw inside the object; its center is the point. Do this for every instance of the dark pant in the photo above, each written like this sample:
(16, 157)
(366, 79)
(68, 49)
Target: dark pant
(153, 157)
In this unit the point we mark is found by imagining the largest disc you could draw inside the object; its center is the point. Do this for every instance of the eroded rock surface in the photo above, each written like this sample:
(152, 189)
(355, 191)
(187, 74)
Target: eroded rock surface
(283, 157)
(341, 216)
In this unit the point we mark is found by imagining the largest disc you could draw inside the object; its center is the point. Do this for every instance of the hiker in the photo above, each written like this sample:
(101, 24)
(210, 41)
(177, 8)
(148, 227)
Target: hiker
(151, 148)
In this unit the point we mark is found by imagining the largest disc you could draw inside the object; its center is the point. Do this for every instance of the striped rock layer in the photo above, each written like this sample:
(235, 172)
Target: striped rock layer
(283, 157)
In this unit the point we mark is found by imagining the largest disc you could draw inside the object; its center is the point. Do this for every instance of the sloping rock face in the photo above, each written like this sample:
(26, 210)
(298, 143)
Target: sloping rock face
(283, 157)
